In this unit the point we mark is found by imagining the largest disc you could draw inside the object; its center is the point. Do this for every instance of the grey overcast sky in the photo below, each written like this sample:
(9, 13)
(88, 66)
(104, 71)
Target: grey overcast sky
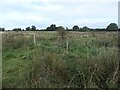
(42, 13)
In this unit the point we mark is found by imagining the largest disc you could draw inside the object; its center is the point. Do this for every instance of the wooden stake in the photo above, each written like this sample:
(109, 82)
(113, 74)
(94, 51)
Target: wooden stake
(67, 45)
(34, 39)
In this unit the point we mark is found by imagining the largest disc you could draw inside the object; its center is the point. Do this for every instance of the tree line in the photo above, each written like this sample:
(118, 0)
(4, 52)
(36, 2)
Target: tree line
(53, 27)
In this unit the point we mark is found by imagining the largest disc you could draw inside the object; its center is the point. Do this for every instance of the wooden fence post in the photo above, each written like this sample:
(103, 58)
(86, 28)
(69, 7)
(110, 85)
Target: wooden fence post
(67, 46)
(34, 39)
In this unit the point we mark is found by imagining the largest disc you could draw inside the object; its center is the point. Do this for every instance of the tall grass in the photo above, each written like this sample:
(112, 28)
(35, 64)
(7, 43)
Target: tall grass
(92, 61)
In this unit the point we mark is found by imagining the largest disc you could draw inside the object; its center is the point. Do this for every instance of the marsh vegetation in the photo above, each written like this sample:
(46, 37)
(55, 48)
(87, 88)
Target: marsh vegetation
(49, 60)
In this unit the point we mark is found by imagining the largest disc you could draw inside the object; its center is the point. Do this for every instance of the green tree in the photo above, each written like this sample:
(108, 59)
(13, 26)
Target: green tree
(2, 29)
(67, 29)
(51, 28)
(85, 28)
(27, 28)
(16, 29)
(75, 28)
(112, 26)
(33, 28)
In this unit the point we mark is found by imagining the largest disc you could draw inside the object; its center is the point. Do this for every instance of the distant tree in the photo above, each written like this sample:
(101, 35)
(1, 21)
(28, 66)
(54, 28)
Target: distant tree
(98, 29)
(48, 28)
(85, 28)
(60, 28)
(51, 28)
(28, 29)
(23, 30)
(75, 28)
(80, 29)
(37, 29)
(2, 29)
(33, 28)
(67, 29)
(112, 26)
(16, 29)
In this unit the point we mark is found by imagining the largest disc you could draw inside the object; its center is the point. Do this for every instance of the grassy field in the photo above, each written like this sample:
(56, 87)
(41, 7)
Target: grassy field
(45, 60)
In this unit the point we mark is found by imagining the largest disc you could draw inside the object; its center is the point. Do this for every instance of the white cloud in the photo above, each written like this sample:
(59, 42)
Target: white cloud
(85, 21)
(61, 12)
(46, 7)
(29, 1)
